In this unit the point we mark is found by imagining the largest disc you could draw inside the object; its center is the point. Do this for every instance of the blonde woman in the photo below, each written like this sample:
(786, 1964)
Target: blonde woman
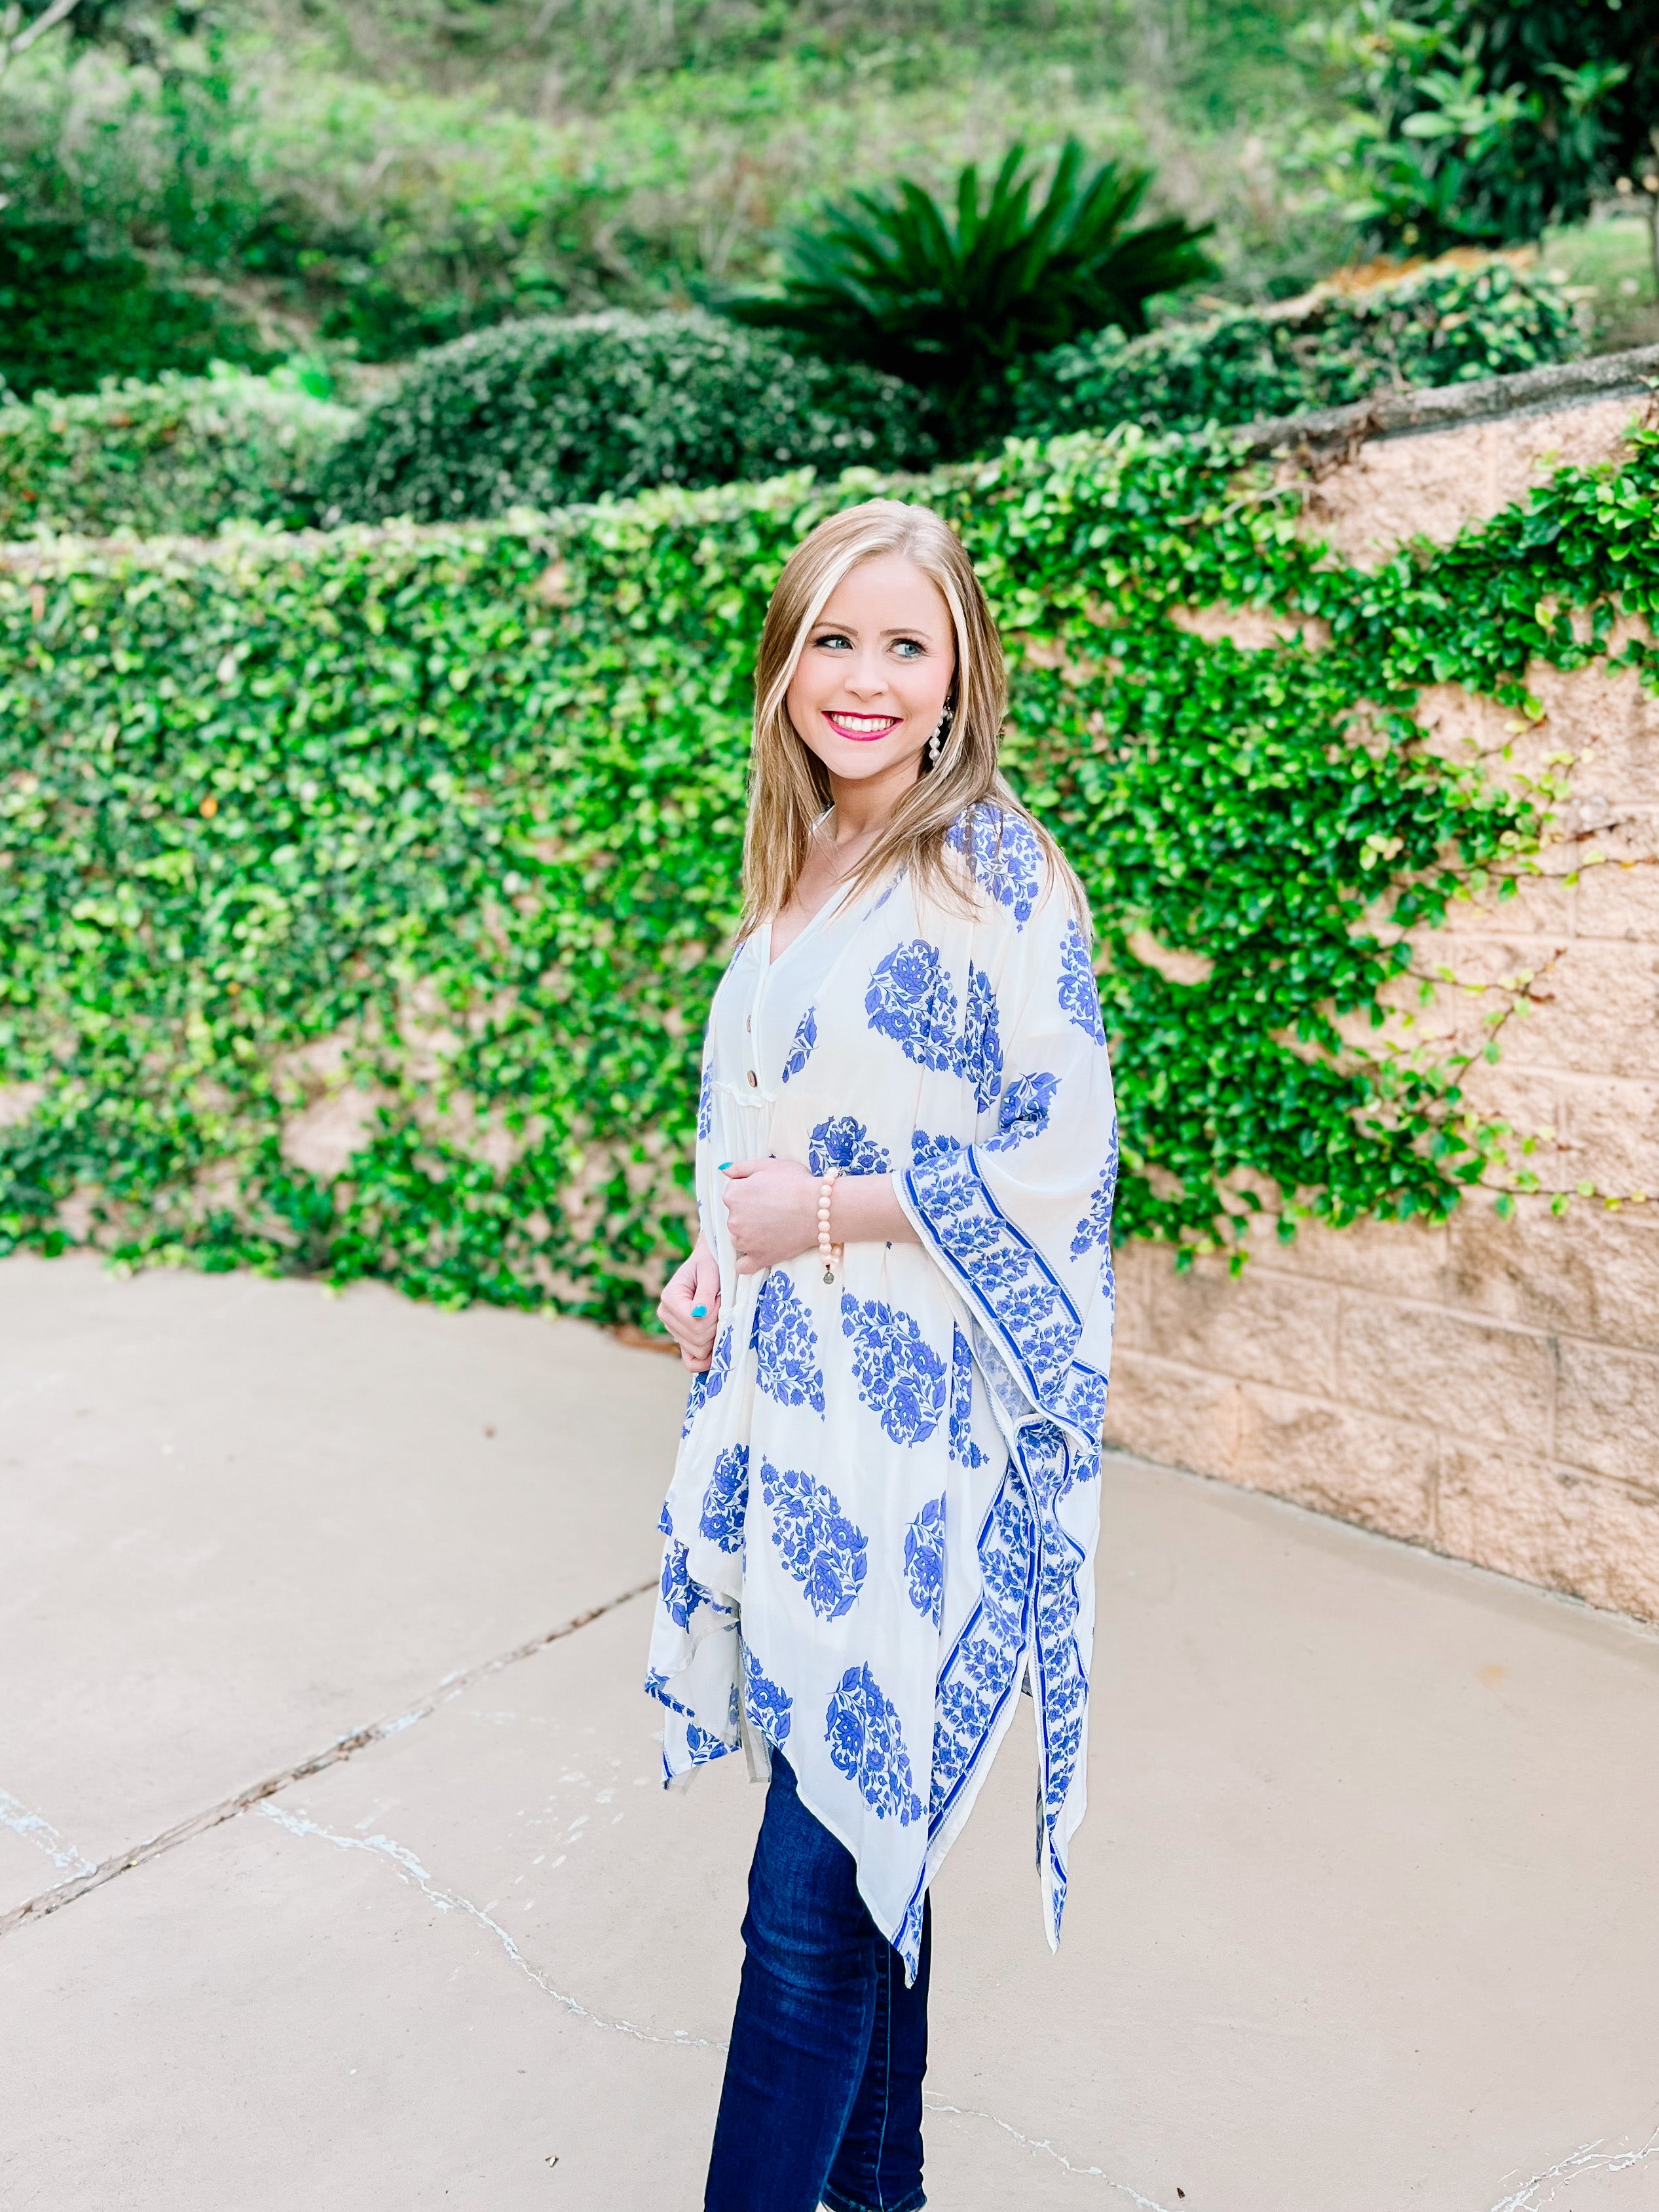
(897, 1317)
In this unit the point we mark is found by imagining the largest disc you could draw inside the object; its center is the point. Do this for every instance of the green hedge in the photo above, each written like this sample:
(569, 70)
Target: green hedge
(457, 813)
(551, 410)
(1444, 324)
(71, 317)
(184, 454)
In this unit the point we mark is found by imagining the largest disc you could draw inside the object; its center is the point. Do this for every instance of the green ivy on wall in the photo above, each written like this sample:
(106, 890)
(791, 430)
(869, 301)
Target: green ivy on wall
(456, 814)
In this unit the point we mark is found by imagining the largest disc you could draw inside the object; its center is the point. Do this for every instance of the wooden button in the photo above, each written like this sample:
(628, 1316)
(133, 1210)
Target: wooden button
(754, 1080)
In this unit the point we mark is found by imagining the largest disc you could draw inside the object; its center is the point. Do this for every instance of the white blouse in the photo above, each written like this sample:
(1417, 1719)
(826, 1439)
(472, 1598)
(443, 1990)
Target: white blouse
(883, 1516)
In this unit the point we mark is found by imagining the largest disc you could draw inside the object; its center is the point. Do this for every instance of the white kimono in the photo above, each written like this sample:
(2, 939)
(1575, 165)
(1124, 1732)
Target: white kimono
(883, 1518)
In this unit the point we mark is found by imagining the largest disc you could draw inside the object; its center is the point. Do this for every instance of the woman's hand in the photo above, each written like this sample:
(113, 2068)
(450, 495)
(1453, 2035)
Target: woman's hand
(773, 1208)
(690, 1308)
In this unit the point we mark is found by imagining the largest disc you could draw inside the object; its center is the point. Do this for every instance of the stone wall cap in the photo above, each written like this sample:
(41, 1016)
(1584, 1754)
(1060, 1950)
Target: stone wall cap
(1412, 414)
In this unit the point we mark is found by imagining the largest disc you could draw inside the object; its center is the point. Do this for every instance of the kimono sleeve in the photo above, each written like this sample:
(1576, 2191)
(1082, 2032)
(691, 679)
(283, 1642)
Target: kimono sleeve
(1020, 1221)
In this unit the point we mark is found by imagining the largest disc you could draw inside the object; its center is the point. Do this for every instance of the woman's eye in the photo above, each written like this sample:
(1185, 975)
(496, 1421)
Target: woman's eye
(907, 648)
(835, 640)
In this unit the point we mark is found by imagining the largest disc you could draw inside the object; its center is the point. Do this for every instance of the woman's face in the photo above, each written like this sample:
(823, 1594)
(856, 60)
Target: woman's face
(874, 673)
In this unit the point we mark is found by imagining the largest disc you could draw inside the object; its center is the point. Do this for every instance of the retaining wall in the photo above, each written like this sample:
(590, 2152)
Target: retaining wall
(1488, 1387)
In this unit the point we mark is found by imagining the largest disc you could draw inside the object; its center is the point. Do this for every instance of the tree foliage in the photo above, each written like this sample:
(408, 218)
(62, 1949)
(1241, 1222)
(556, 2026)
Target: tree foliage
(1480, 121)
(950, 297)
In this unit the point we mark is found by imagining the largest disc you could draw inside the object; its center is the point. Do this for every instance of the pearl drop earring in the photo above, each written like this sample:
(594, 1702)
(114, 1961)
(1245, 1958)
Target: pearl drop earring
(941, 732)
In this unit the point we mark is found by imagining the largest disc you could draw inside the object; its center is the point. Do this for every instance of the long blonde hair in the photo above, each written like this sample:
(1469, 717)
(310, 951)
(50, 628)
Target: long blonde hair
(789, 786)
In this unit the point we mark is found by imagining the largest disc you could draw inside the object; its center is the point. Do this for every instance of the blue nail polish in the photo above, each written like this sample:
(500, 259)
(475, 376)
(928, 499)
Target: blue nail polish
(699, 1313)
(723, 1166)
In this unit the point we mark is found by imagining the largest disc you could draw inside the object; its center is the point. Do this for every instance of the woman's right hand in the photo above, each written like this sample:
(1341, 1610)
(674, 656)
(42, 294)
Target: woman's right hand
(690, 1308)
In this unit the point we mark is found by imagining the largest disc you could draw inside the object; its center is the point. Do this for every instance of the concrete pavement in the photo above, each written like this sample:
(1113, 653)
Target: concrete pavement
(1363, 1916)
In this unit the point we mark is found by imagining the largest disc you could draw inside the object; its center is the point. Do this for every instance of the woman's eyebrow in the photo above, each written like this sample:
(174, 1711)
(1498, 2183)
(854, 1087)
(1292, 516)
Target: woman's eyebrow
(851, 629)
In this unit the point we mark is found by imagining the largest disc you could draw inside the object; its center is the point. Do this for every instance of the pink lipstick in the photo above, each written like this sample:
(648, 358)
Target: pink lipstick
(862, 729)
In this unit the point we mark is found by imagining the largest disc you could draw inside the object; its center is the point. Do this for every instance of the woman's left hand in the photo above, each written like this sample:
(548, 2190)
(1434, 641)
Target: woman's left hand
(773, 1208)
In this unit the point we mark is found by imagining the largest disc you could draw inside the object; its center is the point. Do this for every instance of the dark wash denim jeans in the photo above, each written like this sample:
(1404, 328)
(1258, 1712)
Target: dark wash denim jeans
(822, 2094)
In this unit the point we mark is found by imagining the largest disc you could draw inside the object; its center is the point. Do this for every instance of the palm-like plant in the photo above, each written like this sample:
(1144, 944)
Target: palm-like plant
(948, 299)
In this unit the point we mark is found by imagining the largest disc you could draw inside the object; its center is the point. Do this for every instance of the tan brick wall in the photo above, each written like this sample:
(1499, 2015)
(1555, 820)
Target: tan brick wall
(1489, 1388)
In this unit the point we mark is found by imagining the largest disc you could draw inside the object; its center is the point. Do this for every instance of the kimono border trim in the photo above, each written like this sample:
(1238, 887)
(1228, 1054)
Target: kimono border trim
(968, 1227)
(1031, 1608)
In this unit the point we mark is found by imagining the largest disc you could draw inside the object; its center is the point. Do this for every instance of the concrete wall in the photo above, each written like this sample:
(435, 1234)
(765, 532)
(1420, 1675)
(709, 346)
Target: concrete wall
(1488, 1387)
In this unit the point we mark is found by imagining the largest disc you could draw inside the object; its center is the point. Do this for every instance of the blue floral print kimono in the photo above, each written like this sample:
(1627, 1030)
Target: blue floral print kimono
(883, 1518)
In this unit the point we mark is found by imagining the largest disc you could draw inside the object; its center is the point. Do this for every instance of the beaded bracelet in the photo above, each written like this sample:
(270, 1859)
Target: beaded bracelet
(828, 1253)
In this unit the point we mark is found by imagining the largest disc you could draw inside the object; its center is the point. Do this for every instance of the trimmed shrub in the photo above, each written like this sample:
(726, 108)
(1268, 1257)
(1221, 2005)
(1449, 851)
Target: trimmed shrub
(184, 454)
(69, 317)
(554, 410)
(1448, 324)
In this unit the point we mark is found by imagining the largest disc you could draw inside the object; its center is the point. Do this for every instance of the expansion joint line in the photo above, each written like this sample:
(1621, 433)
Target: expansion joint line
(342, 1749)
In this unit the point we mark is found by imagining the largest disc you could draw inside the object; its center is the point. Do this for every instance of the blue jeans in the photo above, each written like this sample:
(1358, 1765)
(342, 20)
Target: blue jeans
(823, 2093)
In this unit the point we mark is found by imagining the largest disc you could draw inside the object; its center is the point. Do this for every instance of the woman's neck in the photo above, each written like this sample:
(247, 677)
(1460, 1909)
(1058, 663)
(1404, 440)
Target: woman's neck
(865, 807)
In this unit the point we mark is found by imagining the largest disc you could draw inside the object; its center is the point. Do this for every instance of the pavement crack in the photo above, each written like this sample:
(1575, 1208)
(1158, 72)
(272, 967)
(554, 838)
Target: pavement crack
(933, 2104)
(409, 1868)
(1589, 2157)
(344, 1747)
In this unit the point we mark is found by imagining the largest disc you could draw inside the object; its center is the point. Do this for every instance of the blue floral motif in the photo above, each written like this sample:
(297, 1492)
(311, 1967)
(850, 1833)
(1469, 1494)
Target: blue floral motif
(908, 1942)
(725, 1500)
(866, 1745)
(1024, 1110)
(825, 1553)
(910, 1000)
(769, 1707)
(981, 1056)
(700, 1746)
(843, 1143)
(705, 1101)
(1006, 857)
(924, 1561)
(665, 1520)
(924, 1147)
(1095, 1226)
(899, 1375)
(718, 1367)
(1062, 1686)
(695, 1399)
(800, 1048)
(964, 1449)
(786, 1343)
(1079, 993)
(681, 1597)
(978, 1675)
(656, 1685)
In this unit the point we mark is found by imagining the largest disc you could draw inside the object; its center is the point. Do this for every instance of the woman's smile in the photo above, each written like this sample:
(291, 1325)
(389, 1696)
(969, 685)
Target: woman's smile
(863, 729)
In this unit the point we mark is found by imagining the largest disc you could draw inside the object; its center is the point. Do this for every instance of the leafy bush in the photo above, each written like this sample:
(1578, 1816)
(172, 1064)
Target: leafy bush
(1481, 121)
(545, 412)
(438, 832)
(182, 454)
(70, 316)
(1442, 326)
(950, 299)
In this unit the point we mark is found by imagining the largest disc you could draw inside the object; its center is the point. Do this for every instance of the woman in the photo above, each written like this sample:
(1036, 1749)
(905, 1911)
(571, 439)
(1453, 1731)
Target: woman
(898, 1318)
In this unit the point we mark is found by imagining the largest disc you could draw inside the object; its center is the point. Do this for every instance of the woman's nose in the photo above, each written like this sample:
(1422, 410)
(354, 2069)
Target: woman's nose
(868, 680)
